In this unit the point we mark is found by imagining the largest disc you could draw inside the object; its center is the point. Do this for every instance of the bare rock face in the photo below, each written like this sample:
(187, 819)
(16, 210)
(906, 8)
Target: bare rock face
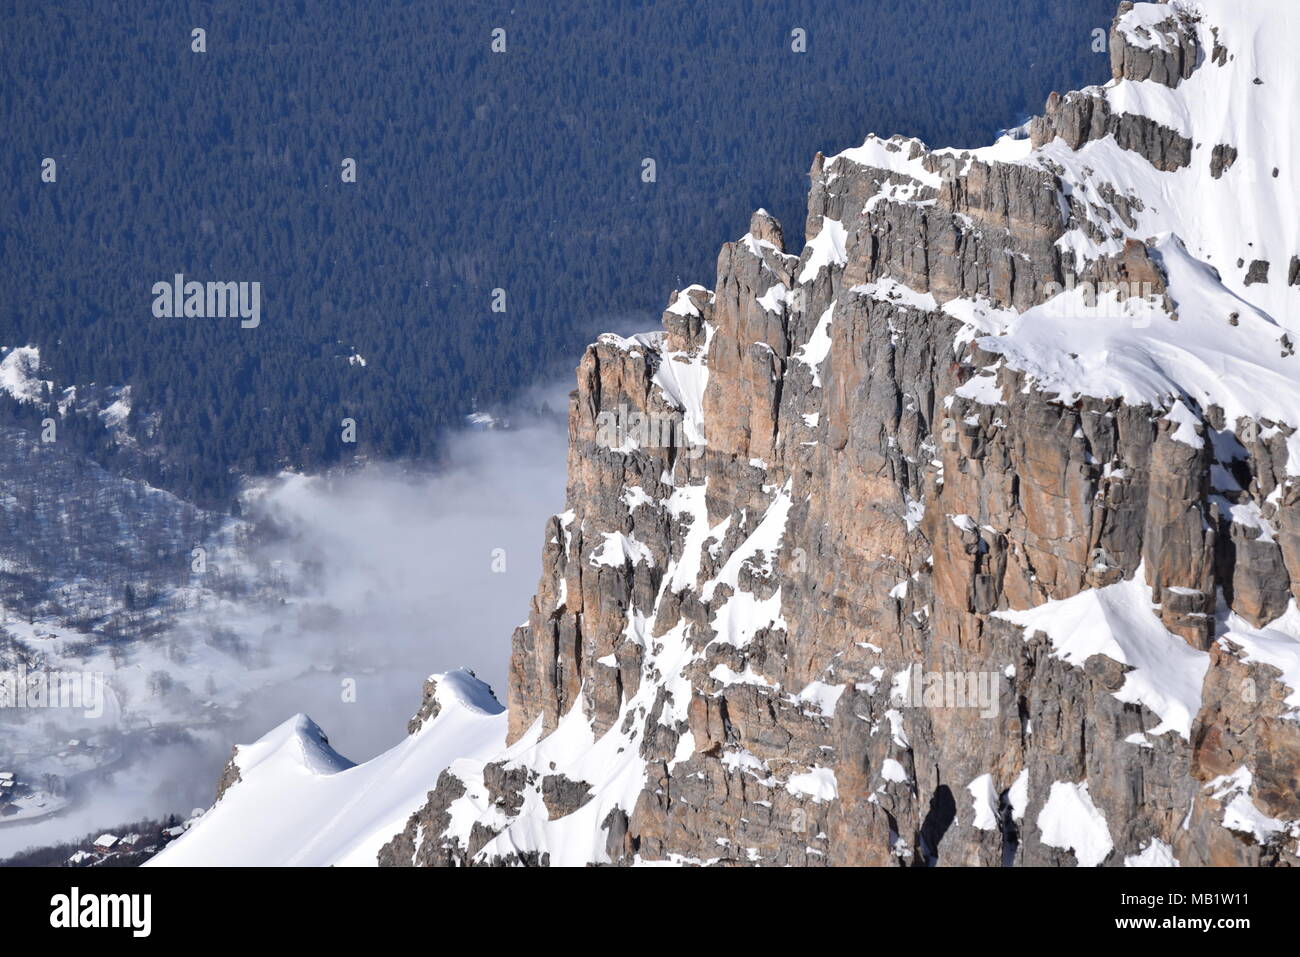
(1079, 118)
(429, 707)
(1258, 272)
(562, 795)
(229, 775)
(1222, 158)
(1166, 52)
(878, 594)
(425, 841)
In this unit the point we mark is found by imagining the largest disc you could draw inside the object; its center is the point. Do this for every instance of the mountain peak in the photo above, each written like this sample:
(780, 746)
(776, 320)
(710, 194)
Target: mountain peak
(949, 529)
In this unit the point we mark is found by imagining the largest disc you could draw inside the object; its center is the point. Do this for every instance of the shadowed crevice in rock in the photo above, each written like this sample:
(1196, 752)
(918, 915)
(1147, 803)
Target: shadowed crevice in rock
(942, 812)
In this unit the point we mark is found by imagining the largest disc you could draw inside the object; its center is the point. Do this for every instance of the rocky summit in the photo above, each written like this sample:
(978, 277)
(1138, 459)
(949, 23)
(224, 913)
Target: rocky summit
(975, 535)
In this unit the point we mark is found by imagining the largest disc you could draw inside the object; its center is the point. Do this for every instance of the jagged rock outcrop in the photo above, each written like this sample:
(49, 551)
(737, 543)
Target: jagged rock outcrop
(1162, 46)
(429, 706)
(229, 774)
(943, 542)
(1080, 118)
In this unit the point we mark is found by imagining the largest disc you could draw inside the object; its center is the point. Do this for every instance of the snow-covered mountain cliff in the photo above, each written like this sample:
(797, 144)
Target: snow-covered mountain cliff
(969, 535)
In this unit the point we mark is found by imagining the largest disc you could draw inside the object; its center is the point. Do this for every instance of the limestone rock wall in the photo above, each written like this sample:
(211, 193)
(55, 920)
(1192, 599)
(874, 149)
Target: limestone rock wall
(752, 626)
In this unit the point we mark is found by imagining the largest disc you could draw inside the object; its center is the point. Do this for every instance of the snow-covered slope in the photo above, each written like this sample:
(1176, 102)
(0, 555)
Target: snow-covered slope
(299, 802)
(1245, 100)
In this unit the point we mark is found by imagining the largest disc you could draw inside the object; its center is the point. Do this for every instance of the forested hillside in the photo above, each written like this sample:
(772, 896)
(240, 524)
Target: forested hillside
(476, 171)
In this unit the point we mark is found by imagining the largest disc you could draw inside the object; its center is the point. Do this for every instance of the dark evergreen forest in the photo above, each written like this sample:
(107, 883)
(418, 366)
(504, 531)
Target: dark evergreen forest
(476, 170)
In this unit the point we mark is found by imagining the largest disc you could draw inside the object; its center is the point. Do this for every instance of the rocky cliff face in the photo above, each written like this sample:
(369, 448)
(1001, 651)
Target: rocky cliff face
(969, 535)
